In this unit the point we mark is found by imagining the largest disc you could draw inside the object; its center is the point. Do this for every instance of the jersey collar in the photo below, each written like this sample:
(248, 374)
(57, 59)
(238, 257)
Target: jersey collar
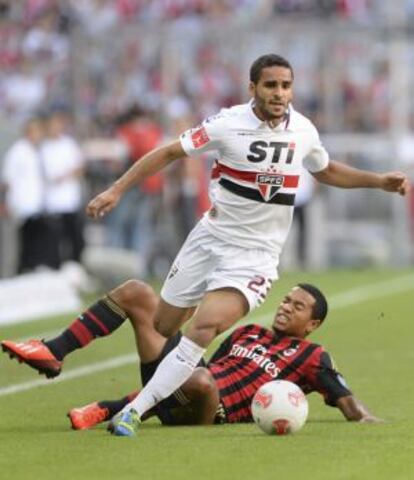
(286, 124)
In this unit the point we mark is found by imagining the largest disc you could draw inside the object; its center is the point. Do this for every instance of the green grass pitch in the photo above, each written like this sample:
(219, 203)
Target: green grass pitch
(369, 332)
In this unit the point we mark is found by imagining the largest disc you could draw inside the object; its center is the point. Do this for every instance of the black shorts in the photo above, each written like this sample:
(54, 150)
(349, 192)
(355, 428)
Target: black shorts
(177, 399)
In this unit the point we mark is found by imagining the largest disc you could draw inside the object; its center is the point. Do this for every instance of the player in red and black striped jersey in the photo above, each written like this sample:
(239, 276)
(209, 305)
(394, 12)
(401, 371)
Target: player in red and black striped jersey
(254, 355)
(223, 390)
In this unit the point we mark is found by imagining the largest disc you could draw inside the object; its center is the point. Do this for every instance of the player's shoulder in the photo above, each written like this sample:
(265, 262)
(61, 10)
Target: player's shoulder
(229, 114)
(313, 347)
(251, 329)
(300, 122)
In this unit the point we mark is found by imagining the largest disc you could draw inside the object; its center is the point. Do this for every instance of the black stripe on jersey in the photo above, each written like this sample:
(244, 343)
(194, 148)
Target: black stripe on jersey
(248, 379)
(299, 360)
(252, 194)
(242, 362)
(226, 345)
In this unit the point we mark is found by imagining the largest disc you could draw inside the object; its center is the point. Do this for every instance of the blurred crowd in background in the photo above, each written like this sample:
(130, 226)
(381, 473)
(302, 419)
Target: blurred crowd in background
(101, 56)
(122, 76)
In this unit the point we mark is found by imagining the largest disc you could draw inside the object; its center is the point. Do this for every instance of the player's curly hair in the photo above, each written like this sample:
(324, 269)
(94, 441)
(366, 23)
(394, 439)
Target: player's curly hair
(265, 61)
(320, 309)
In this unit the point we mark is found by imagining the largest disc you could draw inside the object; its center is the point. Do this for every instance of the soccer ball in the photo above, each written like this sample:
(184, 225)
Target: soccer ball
(279, 407)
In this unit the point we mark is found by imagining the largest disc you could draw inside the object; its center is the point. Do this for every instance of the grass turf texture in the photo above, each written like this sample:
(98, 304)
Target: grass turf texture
(371, 341)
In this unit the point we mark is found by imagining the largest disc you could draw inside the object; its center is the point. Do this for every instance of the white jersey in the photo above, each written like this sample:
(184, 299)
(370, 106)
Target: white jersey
(62, 157)
(22, 174)
(257, 171)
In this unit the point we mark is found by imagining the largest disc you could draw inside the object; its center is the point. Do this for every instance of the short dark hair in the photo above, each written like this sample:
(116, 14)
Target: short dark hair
(265, 61)
(320, 308)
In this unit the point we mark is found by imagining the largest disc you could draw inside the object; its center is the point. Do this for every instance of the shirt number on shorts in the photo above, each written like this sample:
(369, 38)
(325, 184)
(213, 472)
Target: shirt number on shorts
(255, 284)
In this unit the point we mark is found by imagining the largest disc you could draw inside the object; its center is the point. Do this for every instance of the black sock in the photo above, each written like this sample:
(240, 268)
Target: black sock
(115, 406)
(101, 319)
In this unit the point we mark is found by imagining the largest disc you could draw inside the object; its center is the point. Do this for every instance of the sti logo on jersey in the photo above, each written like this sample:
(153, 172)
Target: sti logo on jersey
(269, 184)
(200, 137)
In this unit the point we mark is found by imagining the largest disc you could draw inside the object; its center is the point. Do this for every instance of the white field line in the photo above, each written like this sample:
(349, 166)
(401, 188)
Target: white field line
(74, 373)
(341, 300)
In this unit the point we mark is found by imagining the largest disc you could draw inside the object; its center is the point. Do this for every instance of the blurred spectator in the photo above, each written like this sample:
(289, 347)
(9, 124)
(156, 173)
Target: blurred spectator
(43, 42)
(132, 224)
(23, 178)
(96, 16)
(24, 90)
(188, 178)
(64, 168)
(303, 198)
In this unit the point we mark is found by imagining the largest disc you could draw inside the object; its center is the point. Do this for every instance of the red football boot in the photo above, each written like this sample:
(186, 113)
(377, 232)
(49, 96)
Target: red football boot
(86, 417)
(35, 354)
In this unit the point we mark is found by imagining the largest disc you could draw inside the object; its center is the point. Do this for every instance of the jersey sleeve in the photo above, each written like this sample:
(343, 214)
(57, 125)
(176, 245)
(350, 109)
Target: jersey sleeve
(207, 136)
(328, 381)
(317, 158)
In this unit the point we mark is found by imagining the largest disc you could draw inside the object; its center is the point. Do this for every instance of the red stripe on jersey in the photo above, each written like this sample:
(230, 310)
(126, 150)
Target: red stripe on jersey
(83, 335)
(289, 181)
(215, 171)
(96, 320)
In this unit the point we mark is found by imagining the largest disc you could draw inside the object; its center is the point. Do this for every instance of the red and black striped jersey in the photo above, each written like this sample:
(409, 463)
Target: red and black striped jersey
(253, 355)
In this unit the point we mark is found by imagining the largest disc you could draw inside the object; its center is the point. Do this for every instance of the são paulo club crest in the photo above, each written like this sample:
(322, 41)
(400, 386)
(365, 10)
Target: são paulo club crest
(269, 183)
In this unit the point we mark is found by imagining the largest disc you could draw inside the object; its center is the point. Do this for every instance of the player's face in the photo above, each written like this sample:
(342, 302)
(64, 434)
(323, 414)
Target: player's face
(294, 315)
(35, 131)
(272, 93)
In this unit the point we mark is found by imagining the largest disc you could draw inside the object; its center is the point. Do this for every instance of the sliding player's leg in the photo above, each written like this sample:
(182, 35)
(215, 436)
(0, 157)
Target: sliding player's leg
(218, 310)
(195, 404)
(133, 299)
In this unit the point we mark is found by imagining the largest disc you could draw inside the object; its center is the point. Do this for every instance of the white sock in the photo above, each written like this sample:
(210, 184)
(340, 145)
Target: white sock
(175, 369)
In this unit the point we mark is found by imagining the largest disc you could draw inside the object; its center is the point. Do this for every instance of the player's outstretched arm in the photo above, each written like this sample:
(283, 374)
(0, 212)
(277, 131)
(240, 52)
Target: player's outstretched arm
(340, 175)
(355, 411)
(149, 164)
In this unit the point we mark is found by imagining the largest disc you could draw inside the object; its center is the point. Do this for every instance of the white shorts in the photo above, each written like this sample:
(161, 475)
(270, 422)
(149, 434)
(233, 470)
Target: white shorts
(206, 263)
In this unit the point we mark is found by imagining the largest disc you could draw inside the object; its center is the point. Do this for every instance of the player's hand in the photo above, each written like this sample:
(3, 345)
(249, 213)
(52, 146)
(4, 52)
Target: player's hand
(103, 203)
(371, 419)
(395, 182)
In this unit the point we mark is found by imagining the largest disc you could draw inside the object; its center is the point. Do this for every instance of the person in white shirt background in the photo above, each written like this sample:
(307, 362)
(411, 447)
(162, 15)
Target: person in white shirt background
(64, 169)
(23, 181)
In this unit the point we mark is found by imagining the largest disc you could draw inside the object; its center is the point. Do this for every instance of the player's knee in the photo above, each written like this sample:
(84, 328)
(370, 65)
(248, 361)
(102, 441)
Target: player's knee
(134, 293)
(166, 330)
(203, 333)
(203, 382)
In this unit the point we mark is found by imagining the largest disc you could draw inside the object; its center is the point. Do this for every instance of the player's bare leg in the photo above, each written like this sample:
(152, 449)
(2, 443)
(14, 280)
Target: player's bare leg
(168, 319)
(203, 395)
(219, 310)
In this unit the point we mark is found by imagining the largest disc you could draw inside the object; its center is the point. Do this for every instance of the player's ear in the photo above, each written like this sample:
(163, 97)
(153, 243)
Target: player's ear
(252, 89)
(312, 325)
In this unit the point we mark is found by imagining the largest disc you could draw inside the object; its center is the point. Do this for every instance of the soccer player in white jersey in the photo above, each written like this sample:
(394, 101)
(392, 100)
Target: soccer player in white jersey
(229, 261)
